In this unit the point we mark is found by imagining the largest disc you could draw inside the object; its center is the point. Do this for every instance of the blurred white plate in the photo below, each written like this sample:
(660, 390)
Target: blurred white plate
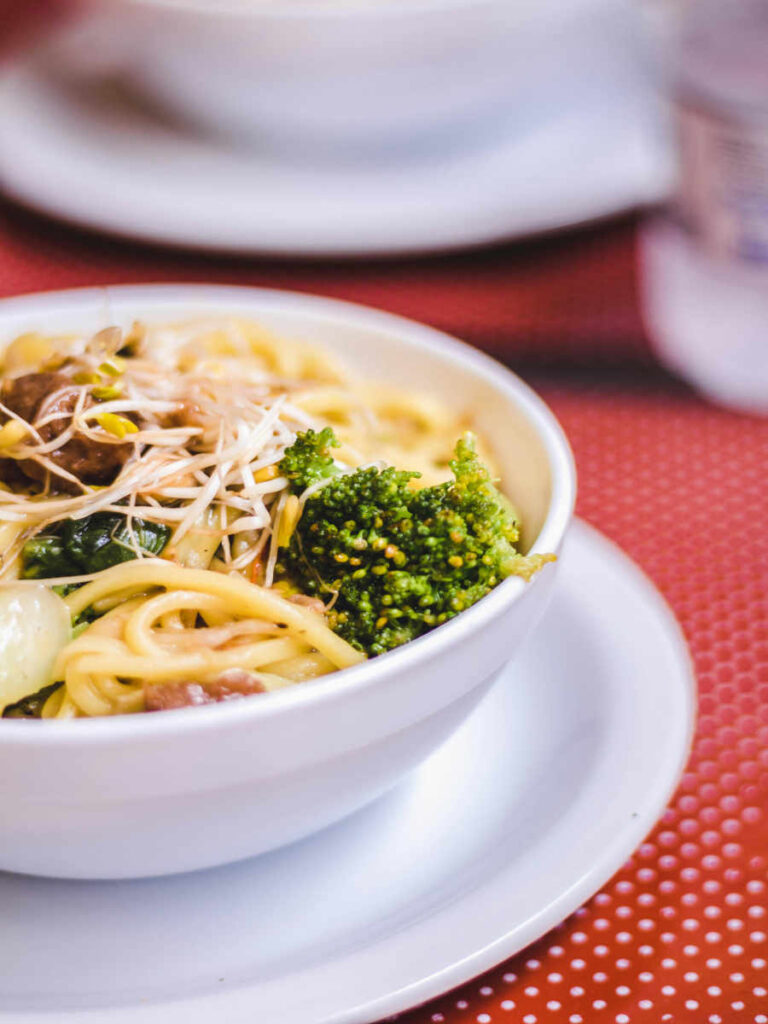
(531, 806)
(587, 147)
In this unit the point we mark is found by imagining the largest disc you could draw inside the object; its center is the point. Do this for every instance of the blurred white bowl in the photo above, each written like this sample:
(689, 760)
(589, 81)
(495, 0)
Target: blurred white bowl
(334, 75)
(162, 793)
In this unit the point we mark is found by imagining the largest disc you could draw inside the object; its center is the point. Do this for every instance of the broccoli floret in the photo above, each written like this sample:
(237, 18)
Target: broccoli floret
(399, 560)
(307, 460)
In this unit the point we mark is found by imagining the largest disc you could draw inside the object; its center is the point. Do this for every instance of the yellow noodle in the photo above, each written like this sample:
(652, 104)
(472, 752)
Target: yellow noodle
(300, 668)
(195, 613)
(186, 666)
(243, 599)
(53, 704)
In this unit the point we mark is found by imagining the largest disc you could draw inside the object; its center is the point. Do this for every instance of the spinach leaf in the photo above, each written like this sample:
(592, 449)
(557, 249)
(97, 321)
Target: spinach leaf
(46, 556)
(75, 547)
(103, 540)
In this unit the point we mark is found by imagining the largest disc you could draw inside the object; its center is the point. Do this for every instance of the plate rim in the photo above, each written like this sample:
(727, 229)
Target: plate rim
(627, 840)
(586, 204)
(197, 1008)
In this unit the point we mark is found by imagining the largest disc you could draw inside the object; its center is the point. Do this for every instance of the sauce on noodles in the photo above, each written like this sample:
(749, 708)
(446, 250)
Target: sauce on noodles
(141, 487)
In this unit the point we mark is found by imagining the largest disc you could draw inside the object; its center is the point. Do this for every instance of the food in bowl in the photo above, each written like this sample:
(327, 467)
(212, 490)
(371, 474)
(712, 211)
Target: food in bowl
(133, 795)
(201, 511)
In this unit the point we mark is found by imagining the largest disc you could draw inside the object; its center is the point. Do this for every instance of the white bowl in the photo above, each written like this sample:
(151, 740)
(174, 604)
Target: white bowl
(155, 794)
(342, 76)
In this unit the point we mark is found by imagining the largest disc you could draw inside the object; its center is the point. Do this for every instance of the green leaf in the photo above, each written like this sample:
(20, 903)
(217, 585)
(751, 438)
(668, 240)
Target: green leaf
(308, 459)
(46, 556)
(75, 547)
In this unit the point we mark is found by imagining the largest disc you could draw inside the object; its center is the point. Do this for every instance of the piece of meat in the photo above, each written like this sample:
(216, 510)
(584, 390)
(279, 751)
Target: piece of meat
(230, 685)
(190, 414)
(93, 462)
(24, 395)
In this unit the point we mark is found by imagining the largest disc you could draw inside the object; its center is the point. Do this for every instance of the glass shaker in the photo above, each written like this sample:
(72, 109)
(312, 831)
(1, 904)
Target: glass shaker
(704, 266)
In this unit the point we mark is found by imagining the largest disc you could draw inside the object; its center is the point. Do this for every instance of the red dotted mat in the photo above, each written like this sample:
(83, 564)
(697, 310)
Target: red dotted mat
(681, 933)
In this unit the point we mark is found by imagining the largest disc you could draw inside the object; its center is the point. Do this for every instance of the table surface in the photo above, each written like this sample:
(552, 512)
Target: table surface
(681, 933)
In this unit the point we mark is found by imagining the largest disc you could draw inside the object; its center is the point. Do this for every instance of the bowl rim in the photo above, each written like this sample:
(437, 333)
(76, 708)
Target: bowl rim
(367, 674)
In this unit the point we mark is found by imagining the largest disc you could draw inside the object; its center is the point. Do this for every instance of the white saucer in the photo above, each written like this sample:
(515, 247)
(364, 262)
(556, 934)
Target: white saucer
(98, 159)
(525, 813)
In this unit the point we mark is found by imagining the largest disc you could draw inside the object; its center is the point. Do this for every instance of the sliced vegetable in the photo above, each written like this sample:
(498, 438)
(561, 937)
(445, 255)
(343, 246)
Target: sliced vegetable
(34, 626)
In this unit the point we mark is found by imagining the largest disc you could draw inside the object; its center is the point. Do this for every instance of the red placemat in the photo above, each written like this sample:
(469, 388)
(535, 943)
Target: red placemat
(565, 300)
(681, 933)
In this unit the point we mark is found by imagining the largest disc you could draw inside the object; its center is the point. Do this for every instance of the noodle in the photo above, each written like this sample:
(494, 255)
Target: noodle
(195, 419)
